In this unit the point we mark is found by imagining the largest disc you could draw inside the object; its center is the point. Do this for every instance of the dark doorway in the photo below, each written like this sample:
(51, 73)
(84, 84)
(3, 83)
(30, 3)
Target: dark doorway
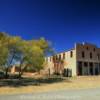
(99, 68)
(91, 68)
(85, 68)
(79, 68)
(96, 71)
(67, 73)
(96, 68)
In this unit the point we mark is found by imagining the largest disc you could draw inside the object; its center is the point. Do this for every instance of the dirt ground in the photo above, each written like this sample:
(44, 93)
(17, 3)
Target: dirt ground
(82, 82)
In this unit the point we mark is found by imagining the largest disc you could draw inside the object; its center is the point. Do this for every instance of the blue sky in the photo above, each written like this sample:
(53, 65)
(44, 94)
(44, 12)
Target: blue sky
(63, 22)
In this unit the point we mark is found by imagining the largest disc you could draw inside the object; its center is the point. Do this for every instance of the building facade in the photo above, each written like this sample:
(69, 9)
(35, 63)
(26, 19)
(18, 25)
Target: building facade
(83, 59)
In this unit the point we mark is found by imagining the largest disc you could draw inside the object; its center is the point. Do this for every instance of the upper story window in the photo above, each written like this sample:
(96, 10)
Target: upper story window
(53, 58)
(63, 55)
(71, 54)
(83, 54)
(90, 55)
(94, 49)
(59, 57)
(87, 48)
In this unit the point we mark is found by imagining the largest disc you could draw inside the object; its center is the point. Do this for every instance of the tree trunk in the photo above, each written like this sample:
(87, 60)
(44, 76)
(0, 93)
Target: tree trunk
(20, 70)
(7, 69)
(6, 74)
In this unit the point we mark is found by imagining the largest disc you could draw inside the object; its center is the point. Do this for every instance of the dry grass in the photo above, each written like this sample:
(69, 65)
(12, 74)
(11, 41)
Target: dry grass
(74, 83)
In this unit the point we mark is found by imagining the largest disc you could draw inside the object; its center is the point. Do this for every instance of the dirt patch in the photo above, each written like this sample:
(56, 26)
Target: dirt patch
(73, 83)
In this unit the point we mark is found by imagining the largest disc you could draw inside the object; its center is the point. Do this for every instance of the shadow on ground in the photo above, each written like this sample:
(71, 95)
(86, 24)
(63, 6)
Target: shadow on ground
(30, 81)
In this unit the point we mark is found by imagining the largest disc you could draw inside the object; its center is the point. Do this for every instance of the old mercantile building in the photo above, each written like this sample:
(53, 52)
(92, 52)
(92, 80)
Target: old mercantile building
(83, 59)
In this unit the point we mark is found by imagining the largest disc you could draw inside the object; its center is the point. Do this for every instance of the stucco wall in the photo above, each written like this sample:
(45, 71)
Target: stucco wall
(70, 62)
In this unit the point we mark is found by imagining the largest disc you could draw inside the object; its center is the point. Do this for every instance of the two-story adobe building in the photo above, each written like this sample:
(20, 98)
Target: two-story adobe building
(83, 59)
